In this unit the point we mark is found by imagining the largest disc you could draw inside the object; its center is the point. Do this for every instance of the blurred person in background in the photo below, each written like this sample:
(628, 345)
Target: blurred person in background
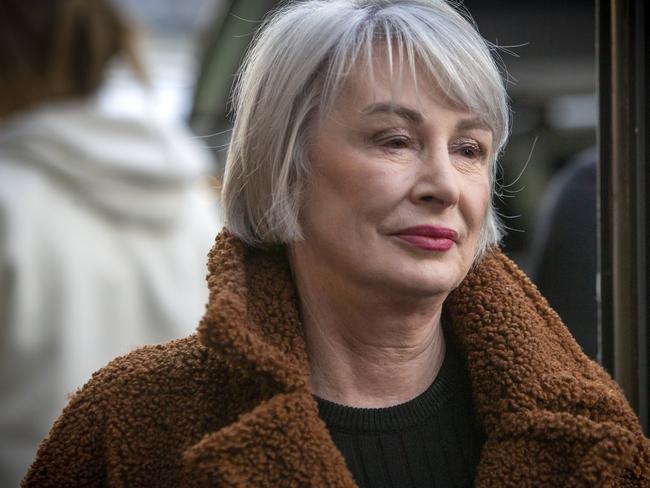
(105, 221)
(563, 257)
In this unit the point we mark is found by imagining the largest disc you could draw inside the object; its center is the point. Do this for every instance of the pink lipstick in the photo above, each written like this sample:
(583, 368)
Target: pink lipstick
(429, 237)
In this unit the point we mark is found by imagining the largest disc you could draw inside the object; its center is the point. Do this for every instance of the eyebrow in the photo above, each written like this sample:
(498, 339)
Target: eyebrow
(416, 117)
(394, 108)
(473, 123)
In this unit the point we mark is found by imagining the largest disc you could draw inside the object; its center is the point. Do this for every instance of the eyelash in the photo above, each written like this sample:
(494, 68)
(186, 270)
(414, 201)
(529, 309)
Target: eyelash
(396, 142)
(477, 150)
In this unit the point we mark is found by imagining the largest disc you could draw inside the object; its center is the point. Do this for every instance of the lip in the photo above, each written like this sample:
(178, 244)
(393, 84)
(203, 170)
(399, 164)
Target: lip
(429, 237)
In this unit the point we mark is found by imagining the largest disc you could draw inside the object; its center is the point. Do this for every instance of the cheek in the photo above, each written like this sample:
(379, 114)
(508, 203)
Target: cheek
(483, 199)
(352, 189)
(477, 199)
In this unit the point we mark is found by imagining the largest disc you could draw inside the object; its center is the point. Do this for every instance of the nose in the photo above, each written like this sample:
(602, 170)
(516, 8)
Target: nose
(436, 179)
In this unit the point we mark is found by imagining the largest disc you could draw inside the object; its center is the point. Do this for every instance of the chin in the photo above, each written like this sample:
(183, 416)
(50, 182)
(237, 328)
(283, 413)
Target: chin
(423, 282)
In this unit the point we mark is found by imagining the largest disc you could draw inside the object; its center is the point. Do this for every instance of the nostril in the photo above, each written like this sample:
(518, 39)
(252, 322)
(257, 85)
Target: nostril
(439, 201)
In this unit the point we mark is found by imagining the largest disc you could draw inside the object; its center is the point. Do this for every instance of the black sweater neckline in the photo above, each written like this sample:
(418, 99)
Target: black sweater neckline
(397, 417)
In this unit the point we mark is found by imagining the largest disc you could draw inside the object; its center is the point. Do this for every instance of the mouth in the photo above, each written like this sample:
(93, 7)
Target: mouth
(428, 237)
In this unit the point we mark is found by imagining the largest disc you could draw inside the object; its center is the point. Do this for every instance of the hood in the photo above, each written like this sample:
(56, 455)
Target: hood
(136, 169)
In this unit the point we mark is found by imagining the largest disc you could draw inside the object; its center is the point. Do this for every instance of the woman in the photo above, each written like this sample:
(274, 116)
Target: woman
(362, 328)
(104, 222)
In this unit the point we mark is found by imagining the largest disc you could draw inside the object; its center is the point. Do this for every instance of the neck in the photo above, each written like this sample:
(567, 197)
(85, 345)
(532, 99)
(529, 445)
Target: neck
(367, 351)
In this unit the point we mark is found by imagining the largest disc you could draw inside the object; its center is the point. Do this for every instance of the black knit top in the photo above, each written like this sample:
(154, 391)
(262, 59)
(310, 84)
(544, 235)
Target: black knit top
(429, 441)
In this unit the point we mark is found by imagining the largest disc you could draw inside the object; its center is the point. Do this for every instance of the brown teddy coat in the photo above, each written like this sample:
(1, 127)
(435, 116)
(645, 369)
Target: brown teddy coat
(231, 406)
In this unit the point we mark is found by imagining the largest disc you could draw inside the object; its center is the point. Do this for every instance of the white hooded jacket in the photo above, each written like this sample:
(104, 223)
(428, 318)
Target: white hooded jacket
(104, 232)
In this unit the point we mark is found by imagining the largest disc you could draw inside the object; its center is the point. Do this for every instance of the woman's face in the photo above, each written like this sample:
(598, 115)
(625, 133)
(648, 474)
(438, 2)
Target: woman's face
(399, 189)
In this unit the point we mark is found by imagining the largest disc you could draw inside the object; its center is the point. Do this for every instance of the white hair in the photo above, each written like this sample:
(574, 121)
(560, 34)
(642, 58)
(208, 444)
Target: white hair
(294, 72)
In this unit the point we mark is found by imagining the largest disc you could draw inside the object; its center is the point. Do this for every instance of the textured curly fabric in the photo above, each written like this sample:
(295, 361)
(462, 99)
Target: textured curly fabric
(231, 406)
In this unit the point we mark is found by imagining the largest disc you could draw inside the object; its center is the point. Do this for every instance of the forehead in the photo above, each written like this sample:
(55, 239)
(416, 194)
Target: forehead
(407, 91)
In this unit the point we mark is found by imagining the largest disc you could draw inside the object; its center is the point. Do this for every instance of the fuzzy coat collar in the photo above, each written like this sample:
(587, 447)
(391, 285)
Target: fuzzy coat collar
(552, 417)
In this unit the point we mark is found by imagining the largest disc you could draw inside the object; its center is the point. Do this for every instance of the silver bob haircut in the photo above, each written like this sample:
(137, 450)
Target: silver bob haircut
(294, 72)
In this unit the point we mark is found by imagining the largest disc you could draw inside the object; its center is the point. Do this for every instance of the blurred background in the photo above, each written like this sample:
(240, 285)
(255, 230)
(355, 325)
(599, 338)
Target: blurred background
(191, 51)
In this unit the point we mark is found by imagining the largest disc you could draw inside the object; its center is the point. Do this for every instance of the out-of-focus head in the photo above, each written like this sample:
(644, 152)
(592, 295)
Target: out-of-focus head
(58, 49)
(295, 72)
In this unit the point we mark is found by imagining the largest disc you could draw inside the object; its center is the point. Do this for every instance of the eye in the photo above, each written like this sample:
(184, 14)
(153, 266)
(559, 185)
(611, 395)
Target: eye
(400, 142)
(394, 140)
(470, 150)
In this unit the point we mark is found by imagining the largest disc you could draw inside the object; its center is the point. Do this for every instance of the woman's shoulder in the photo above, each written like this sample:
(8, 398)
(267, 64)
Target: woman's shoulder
(156, 379)
(180, 364)
(154, 402)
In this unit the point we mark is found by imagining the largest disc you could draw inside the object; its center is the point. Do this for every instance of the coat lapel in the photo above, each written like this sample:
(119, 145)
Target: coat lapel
(551, 416)
(252, 317)
(282, 442)
(252, 320)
